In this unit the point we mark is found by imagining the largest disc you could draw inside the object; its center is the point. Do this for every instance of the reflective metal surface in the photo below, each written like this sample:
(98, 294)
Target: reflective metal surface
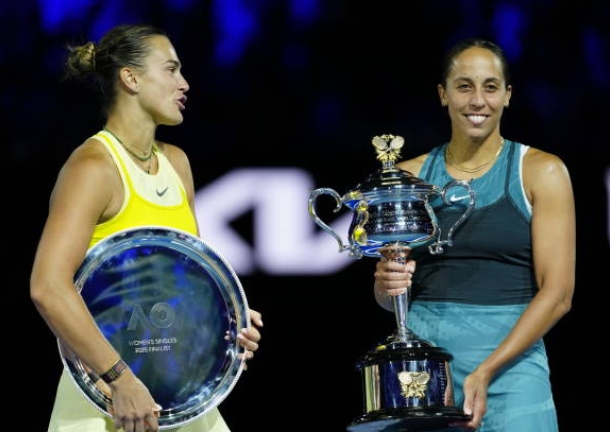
(390, 207)
(407, 386)
(172, 307)
(406, 381)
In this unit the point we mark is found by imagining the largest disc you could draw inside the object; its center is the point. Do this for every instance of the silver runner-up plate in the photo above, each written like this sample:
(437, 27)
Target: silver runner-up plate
(172, 307)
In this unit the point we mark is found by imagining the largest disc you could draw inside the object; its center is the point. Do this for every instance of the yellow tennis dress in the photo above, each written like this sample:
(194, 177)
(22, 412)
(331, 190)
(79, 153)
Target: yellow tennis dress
(150, 200)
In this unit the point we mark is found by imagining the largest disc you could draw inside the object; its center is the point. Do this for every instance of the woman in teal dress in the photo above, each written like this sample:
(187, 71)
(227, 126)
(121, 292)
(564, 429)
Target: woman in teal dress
(509, 277)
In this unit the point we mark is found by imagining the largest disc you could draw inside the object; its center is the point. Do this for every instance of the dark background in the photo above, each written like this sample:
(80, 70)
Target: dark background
(307, 84)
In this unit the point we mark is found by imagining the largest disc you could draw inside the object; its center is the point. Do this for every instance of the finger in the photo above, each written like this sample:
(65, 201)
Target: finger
(397, 267)
(396, 292)
(157, 410)
(246, 340)
(251, 334)
(142, 426)
(411, 266)
(150, 423)
(256, 317)
(247, 355)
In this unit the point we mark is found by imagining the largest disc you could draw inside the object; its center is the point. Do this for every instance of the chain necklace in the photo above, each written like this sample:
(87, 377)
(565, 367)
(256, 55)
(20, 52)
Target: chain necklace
(145, 158)
(451, 160)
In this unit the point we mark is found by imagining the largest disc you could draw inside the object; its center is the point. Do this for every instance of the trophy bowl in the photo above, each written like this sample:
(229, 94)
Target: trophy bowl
(406, 380)
(391, 207)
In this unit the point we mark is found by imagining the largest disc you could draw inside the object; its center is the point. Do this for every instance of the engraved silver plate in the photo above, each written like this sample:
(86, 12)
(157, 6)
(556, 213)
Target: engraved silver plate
(167, 302)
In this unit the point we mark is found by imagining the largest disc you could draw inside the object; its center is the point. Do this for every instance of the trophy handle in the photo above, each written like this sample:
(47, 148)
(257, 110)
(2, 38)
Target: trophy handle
(313, 196)
(437, 247)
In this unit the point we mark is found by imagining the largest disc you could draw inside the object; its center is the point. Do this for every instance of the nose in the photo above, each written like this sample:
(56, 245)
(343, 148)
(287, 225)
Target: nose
(477, 100)
(184, 85)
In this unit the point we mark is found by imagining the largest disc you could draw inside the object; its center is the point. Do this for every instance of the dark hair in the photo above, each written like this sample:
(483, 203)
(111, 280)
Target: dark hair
(463, 45)
(123, 45)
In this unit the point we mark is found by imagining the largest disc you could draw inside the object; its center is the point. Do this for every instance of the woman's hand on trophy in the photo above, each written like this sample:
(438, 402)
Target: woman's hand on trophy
(393, 278)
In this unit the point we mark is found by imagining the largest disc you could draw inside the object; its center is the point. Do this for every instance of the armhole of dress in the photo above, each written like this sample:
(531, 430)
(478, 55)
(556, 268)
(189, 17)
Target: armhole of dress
(106, 142)
(522, 151)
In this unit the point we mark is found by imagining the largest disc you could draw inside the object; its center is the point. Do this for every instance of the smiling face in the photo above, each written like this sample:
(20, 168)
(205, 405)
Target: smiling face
(162, 87)
(475, 93)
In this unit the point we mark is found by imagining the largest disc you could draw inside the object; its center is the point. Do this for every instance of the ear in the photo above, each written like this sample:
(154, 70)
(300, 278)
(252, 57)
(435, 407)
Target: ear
(129, 78)
(509, 93)
(442, 95)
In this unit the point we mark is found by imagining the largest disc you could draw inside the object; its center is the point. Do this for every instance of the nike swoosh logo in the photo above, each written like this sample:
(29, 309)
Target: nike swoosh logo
(454, 198)
(161, 193)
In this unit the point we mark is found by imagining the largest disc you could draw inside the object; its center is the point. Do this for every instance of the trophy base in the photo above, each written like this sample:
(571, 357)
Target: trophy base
(408, 419)
(406, 381)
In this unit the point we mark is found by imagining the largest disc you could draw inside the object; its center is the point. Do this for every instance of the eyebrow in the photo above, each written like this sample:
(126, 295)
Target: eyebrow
(486, 80)
(174, 63)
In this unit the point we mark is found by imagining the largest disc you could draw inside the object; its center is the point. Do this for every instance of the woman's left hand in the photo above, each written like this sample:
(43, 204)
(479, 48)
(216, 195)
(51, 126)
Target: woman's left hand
(250, 336)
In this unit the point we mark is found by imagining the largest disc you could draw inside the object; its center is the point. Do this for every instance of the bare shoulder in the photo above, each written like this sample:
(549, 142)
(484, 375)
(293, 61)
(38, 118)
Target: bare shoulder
(174, 154)
(413, 165)
(88, 182)
(538, 165)
(90, 161)
(543, 171)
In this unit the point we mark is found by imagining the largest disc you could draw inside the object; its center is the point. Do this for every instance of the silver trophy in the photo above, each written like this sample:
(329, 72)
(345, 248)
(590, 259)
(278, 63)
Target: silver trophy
(407, 381)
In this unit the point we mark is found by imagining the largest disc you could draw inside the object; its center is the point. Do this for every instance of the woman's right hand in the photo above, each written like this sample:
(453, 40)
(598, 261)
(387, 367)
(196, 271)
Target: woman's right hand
(392, 277)
(133, 407)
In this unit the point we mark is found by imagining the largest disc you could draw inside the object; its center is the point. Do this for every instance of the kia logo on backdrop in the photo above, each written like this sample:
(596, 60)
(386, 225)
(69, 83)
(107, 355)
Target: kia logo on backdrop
(284, 240)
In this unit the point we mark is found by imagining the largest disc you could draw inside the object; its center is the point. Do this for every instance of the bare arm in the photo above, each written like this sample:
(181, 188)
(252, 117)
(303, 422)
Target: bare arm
(87, 190)
(81, 195)
(553, 228)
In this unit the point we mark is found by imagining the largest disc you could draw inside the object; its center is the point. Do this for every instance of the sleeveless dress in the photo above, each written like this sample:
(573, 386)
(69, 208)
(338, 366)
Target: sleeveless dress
(468, 298)
(159, 200)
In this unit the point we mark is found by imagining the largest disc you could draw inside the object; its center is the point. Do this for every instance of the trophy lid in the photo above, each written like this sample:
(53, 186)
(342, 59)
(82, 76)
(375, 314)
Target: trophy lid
(388, 182)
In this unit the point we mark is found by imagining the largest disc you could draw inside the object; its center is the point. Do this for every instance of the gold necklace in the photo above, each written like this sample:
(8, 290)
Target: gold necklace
(144, 158)
(451, 160)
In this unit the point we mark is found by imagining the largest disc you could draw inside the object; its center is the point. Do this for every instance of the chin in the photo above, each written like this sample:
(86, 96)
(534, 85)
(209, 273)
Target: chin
(478, 135)
(173, 122)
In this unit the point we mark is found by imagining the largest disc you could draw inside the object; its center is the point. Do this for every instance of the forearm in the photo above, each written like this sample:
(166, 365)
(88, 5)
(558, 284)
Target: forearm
(71, 322)
(538, 318)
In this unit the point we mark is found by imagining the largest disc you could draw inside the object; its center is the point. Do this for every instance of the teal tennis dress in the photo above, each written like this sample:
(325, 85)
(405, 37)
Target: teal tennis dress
(468, 298)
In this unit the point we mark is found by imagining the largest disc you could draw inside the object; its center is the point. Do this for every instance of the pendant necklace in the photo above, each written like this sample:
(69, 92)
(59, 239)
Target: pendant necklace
(451, 159)
(144, 158)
